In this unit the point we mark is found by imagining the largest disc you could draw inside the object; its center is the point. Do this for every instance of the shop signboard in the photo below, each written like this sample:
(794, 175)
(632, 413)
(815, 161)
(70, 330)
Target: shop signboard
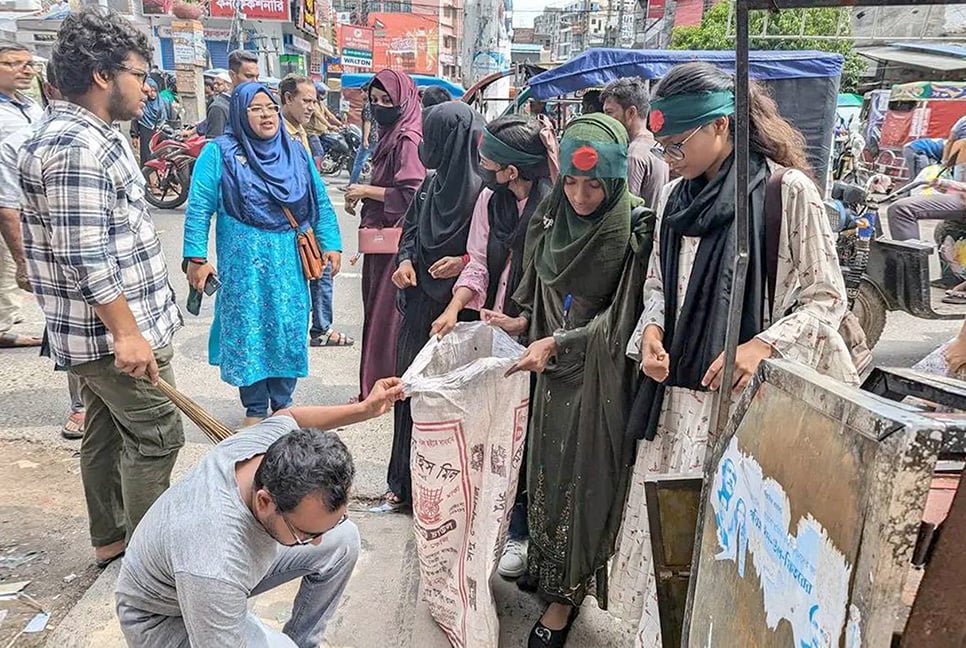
(252, 9)
(406, 42)
(308, 16)
(356, 46)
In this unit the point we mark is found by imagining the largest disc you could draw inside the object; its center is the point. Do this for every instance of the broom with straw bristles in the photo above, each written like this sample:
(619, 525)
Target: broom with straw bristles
(212, 427)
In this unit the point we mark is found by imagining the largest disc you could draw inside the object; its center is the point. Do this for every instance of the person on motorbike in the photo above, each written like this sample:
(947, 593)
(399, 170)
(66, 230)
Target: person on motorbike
(921, 153)
(944, 197)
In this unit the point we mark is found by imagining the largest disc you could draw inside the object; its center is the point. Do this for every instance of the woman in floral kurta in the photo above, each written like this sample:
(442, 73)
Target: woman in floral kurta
(810, 298)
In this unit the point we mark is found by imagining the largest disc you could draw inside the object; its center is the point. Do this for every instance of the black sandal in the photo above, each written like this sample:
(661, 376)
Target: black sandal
(543, 637)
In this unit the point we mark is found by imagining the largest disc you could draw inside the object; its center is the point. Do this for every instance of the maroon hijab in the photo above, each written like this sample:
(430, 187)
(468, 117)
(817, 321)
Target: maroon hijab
(402, 90)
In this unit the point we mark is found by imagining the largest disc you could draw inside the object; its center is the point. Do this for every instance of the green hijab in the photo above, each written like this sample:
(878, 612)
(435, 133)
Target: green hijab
(584, 255)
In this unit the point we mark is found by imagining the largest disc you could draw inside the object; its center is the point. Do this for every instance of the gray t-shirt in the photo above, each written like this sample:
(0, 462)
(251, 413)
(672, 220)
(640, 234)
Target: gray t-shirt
(199, 552)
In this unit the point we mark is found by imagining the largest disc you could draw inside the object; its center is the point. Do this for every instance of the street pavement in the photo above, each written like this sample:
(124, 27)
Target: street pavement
(381, 606)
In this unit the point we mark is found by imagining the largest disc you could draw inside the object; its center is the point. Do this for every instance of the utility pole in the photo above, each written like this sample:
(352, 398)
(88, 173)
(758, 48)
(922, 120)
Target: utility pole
(486, 47)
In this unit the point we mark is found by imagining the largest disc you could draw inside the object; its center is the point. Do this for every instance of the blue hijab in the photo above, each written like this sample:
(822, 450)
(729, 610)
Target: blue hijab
(155, 110)
(260, 175)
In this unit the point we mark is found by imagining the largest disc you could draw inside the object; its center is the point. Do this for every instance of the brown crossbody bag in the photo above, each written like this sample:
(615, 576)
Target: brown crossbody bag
(308, 248)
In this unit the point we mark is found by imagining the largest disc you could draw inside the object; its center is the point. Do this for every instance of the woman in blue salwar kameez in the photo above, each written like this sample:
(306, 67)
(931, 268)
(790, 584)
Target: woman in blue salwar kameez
(259, 335)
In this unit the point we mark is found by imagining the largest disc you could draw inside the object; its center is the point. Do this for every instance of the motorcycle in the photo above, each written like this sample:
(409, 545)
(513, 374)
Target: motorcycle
(168, 171)
(340, 151)
(881, 275)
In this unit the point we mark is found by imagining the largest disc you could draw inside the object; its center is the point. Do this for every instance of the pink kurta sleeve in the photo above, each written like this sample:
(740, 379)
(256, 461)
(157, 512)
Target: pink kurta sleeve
(476, 275)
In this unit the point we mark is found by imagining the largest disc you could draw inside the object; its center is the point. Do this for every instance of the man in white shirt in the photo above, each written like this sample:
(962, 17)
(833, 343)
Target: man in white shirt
(17, 111)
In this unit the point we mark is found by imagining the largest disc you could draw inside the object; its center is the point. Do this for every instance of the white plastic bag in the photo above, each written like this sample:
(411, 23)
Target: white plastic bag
(469, 429)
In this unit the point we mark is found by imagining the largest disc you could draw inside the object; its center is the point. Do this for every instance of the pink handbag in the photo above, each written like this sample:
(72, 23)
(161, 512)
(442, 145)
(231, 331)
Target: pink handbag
(379, 240)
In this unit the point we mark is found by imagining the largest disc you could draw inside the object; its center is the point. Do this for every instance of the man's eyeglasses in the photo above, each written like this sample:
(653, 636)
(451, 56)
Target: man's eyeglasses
(263, 110)
(21, 65)
(140, 75)
(301, 537)
(674, 151)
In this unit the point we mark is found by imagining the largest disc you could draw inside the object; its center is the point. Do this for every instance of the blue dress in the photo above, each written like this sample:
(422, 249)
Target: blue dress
(261, 323)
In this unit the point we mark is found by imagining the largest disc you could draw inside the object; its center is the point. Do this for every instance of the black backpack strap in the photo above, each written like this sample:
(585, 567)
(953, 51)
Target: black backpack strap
(773, 228)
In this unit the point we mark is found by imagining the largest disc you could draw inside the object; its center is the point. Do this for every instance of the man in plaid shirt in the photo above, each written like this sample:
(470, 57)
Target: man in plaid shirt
(96, 266)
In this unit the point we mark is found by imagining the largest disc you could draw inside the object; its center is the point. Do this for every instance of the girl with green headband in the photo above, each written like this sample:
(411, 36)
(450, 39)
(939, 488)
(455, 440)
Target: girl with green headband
(680, 336)
(584, 265)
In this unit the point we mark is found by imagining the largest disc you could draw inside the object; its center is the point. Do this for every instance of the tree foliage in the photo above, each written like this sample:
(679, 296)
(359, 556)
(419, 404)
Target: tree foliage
(715, 33)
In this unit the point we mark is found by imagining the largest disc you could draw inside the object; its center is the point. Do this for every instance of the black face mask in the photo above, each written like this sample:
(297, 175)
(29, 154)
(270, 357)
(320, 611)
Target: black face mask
(386, 116)
(490, 181)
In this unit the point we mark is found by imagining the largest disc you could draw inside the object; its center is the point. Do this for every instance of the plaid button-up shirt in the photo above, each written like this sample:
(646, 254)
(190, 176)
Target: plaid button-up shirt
(88, 236)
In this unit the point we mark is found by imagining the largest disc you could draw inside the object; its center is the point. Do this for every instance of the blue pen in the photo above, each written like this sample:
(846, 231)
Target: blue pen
(568, 300)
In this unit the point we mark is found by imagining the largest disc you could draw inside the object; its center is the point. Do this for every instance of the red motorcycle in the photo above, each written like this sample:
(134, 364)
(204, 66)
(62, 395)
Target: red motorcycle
(168, 172)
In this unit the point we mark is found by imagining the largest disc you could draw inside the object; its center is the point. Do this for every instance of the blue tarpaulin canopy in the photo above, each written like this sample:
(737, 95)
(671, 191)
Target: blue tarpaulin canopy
(598, 67)
(359, 79)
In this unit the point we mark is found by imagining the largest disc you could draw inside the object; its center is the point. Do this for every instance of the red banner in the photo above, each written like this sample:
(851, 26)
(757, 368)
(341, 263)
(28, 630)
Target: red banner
(405, 42)
(253, 9)
(656, 9)
(355, 37)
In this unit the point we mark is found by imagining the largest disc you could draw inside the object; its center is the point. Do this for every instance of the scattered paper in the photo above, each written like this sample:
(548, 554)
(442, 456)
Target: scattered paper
(38, 623)
(12, 589)
(23, 464)
(70, 578)
(14, 560)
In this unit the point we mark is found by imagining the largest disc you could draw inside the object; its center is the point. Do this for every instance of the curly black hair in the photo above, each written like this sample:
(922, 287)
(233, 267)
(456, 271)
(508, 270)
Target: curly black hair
(306, 462)
(94, 41)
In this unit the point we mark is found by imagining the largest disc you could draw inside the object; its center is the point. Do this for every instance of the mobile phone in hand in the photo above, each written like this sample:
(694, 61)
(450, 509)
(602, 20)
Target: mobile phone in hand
(212, 285)
(193, 305)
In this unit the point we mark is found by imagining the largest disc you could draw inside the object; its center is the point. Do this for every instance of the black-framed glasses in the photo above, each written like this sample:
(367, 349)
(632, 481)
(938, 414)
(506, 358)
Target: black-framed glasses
(140, 75)
(308, 538)
(674, 151)
(21, 65)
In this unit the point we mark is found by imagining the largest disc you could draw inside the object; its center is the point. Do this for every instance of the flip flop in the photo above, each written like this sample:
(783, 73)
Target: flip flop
(325, 340)
(14, 341)
(951, 297)
(74, 427)
(391, 504)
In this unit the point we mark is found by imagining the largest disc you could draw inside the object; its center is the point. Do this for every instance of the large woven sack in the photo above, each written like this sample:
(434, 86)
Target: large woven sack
(469, 429)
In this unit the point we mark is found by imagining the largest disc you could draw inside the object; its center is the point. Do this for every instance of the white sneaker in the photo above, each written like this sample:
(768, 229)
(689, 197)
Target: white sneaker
(513, 564)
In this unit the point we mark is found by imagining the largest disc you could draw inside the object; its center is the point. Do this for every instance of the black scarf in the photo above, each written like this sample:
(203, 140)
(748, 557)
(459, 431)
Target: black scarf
(508, 234)
(451, 134)
(707, 210)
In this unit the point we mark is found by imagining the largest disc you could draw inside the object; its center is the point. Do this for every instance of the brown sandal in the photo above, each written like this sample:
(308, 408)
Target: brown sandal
(74, 427)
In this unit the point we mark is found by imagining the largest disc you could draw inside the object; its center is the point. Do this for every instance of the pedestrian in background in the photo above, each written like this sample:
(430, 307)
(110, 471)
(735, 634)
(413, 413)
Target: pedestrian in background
(680, 336)
(242, 67)
(10, 201)
(584, 265)
(253, 178)
(17, 111)
(627, 101)
(216, 118)
(369, 139)
(299, 102)
(396, 174)
(432, 254)
(98, 271)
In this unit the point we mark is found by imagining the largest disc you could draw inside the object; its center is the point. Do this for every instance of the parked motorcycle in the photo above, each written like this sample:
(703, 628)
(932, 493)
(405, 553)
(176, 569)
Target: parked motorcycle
(881, 275)
(168, 172)
(340, 151)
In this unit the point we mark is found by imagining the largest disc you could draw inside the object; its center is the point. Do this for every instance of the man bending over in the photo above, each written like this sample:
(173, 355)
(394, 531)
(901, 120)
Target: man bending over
(264, 507)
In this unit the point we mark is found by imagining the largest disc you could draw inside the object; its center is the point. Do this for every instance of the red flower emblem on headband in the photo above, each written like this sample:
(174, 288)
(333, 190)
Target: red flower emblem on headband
(657, 121)
(585, 158)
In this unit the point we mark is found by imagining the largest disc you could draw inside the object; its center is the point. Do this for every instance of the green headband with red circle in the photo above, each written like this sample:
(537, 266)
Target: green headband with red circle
(593, 159)
(680, 113)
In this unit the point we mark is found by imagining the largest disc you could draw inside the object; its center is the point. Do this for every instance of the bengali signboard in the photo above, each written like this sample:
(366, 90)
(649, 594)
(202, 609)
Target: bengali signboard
(188, 39)
(356, 46)
(253, 9)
